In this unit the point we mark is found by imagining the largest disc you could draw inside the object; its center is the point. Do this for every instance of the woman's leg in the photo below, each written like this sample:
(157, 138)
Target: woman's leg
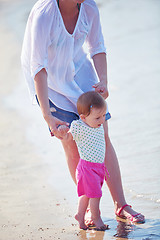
(72, 156)
(114, 181)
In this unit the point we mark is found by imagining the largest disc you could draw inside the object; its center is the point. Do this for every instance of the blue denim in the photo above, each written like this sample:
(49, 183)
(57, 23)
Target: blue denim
(62, 115)
(66, 116)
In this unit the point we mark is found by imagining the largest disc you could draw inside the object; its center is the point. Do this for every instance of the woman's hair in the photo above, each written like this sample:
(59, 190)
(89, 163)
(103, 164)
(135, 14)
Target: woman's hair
(89, 100)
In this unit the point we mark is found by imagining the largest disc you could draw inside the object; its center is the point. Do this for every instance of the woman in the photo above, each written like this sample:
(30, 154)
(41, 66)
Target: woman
(58, 72)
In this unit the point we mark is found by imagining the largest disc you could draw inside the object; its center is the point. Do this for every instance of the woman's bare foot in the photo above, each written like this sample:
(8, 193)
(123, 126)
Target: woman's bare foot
(81, 222)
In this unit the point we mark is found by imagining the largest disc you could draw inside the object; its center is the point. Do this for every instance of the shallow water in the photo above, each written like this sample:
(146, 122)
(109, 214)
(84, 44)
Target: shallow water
(132, 36)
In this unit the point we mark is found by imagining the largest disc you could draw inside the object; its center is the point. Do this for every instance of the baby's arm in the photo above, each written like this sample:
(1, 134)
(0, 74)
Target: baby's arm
(64, 132)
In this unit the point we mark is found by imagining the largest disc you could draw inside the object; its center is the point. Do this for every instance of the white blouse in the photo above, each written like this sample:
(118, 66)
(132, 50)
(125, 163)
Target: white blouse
(47, 44)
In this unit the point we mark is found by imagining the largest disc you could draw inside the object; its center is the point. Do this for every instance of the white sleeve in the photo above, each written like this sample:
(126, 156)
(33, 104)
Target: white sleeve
(40, 41)
(95, 38)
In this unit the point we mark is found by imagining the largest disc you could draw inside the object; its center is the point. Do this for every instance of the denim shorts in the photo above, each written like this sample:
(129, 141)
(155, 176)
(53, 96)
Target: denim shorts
(66, 116)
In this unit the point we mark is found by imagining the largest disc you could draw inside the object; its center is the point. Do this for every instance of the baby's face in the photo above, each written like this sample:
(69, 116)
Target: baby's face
(96, 117)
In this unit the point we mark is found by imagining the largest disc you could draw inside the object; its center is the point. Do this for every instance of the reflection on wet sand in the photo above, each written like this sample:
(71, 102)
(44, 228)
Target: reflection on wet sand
(123, 230)
(92, 234)
(119, 230)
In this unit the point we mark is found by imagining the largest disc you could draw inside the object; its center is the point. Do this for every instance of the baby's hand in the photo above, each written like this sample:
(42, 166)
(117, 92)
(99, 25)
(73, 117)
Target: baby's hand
(101, 88)
(63, 130)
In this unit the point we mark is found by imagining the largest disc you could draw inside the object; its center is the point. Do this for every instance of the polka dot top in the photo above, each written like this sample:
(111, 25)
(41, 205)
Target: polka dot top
(90, 141)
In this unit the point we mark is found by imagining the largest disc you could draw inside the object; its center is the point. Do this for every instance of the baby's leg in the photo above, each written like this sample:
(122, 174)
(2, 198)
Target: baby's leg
(82, 206)
(95, 214)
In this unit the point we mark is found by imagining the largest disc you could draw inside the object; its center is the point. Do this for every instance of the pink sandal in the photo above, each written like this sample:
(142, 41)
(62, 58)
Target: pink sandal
(130, 216)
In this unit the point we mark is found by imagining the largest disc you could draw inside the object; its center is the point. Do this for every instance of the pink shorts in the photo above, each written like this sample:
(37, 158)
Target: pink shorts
(90, 177)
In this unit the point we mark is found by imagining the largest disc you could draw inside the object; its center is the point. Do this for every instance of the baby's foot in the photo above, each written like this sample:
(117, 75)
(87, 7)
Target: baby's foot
(80, 220)
(99, 224)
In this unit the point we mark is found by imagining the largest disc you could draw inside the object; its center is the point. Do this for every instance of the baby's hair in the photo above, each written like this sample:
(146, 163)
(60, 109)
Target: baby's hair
(89, 100)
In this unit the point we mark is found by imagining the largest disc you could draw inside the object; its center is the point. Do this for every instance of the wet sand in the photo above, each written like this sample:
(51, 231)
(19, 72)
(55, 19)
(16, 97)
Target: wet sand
(35, 202)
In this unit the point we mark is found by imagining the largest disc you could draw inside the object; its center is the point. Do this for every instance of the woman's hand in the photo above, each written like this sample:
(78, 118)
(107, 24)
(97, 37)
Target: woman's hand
(53, 124)
(101, 88)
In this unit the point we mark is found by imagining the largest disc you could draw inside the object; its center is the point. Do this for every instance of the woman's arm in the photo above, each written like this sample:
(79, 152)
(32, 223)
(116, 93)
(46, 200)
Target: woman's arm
(41, 88)
(100, 63)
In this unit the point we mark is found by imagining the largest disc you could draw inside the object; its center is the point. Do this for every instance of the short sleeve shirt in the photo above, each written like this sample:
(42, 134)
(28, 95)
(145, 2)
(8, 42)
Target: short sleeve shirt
(90, 141)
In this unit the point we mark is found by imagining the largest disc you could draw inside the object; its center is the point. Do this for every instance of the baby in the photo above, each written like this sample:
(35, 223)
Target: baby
(88, 134)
